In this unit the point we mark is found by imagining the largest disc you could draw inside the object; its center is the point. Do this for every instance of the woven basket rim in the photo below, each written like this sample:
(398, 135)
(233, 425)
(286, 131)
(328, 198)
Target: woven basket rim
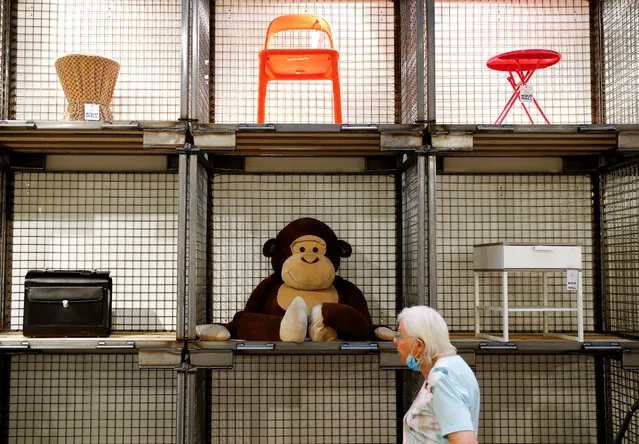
(87, 56)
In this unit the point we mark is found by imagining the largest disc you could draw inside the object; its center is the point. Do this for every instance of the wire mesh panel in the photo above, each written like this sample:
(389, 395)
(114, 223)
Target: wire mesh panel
(250, 209)
(469, 33)
(4, 21)
(624, 402)
(410, 220)
(620, 214)
(313, 399)
(540, 398)
(203, 184)
(363, 32)
(204, 22)
(410, 295)
(477, 209)
(143, 36)
(90, 398)
(125, 223)
(621, 59)
(408, 60)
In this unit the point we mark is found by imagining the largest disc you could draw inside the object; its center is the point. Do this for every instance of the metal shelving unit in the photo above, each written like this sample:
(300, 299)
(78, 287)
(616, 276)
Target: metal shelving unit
(439, 185)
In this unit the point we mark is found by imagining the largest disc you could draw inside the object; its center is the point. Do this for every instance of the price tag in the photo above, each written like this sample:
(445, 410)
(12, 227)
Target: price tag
(91, 111)
(571, 279)
(526, 93)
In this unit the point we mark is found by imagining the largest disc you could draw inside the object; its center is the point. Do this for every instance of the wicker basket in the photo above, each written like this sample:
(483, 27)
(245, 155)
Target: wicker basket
(87, 79)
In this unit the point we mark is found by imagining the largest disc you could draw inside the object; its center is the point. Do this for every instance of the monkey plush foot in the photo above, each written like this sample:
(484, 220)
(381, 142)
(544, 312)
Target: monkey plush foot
(212, 332)
(384, 333)
(317, 331)
(295, 321)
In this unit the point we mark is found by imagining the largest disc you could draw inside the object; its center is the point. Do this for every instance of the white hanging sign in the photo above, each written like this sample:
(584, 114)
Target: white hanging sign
(91, 111)
(526, 93)
(571, 279)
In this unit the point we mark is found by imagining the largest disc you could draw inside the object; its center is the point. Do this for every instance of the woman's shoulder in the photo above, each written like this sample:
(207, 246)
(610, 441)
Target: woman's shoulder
(452, 368)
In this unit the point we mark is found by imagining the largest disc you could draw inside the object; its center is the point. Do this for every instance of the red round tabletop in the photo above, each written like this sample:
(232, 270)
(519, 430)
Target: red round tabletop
(524, 59)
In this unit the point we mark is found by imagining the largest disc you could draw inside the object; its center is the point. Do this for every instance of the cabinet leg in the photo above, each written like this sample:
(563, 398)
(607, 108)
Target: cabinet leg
(544, 292)
(477, 327)
(504, 295)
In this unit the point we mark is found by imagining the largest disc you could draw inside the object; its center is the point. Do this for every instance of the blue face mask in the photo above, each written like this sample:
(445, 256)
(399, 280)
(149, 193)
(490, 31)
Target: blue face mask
(412, 363)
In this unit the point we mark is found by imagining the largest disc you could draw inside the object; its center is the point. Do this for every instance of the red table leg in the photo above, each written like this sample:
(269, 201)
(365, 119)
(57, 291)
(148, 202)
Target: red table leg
(524, 78)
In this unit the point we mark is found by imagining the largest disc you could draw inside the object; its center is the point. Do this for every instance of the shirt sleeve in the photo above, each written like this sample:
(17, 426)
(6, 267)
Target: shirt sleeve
(450, 406)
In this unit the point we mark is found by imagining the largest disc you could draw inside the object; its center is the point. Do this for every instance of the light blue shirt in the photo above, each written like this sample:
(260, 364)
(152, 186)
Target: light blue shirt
(447, 402)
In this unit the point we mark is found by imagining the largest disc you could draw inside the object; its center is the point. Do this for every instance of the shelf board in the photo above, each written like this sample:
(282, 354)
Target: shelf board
(116, 342)
(306, 140)
(528, 140)
(80, 137)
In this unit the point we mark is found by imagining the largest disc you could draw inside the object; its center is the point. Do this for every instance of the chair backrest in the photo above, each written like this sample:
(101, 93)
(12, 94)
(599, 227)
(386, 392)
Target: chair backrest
(296, 22)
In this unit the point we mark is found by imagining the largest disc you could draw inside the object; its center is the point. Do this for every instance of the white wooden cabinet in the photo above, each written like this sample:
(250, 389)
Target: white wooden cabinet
(507, 257)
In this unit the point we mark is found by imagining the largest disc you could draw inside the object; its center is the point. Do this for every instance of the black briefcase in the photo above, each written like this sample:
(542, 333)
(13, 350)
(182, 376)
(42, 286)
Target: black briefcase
(67, 303)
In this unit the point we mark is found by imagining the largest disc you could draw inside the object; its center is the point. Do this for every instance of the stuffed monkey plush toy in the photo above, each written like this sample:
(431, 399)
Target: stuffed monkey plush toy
(304, 296)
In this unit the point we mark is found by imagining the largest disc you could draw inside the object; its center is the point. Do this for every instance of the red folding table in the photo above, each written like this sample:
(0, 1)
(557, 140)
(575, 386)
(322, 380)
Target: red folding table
(524, 63)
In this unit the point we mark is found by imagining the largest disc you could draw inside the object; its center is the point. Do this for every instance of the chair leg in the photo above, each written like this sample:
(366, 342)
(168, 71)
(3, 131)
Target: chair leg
(337, 95)
(261, 98)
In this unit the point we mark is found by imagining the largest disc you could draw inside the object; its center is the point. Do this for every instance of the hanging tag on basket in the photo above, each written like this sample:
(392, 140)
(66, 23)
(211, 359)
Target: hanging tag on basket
(526, 93)
(571, 279)
(91, 111)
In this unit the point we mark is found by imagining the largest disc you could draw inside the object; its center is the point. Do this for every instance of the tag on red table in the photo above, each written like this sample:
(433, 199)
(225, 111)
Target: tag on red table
(526, 93)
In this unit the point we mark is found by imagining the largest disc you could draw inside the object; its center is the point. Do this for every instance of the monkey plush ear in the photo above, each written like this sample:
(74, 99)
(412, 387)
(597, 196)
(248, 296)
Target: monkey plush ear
(269, 247)
(345, 249)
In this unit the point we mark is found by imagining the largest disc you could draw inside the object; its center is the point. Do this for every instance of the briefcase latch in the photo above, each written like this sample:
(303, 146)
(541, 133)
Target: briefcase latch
(65, 303)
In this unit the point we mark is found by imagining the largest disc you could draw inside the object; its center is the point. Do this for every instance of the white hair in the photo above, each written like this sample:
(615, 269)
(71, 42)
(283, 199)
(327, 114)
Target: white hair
(426, 324)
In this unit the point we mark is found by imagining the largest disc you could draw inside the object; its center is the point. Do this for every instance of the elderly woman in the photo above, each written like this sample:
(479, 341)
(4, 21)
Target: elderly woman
(446, 410)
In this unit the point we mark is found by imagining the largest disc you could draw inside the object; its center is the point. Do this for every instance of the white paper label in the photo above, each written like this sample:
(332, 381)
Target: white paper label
(91, 111)
(526, 93)
(571, 279)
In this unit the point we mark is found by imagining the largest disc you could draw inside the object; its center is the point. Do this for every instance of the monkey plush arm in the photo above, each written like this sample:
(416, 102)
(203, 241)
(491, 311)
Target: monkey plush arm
(350, 316)
(257, 300)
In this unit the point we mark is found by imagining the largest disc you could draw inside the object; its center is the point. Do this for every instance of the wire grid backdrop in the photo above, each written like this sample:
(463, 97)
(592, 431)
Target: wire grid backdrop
(143, 36)
(477, 209)
(4, 14)
(311, 399)
(250, 209)
(410, 224)
(623, 387)
(204, 28)
(620, 214)
(537, 398)
(408, 60)
(410, 296)
(363, 32)
(202, 199)
(89, 398)
(125, 223)
(621, 59)
(469, 33)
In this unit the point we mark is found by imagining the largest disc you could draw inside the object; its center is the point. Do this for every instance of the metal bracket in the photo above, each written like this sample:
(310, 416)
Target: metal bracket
(371, 347)
(596, 128)
(103, 345)
(347, 127)
(121, 125)
(496, 128)
(601, 346)
(253, 347)
(18, 124)
(22, 345)
(497, 346)
(630, 361)
(256, 127)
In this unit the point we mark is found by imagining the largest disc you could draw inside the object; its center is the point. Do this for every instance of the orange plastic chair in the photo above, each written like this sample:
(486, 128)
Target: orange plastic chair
(298, 63)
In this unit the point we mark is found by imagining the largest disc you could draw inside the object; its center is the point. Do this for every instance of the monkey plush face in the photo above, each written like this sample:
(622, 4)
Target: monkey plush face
(308, 268)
